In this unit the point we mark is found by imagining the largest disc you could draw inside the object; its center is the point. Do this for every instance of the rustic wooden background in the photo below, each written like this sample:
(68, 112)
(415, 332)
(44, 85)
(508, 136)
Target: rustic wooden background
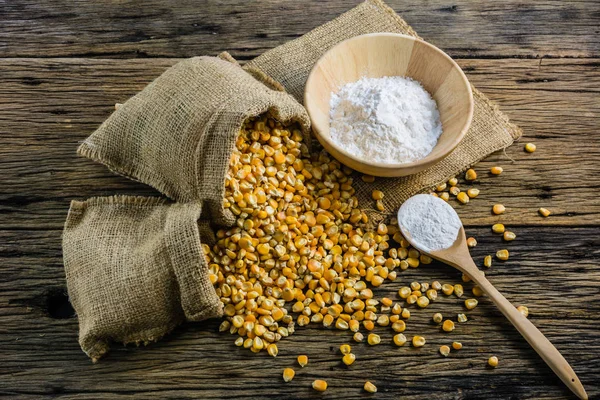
(63, 65)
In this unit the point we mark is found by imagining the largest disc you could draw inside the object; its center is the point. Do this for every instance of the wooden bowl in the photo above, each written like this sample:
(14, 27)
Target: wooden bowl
(388, 54)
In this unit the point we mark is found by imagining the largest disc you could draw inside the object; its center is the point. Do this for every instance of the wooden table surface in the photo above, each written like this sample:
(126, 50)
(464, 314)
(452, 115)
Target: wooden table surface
(63, 65)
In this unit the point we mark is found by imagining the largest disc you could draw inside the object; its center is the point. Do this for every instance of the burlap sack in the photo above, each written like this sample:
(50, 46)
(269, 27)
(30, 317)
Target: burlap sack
(135, 269)
(291, 63)
(177, 134)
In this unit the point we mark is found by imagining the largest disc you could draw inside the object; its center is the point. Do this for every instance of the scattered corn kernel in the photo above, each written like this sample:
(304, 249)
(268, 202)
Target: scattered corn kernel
(288, 374)
(472, 193)
(436, 285)
(447, 289)
(530, 147)
(445, 196)
(496, 170)
(423, 301)
(458, 290)
(418, 341)
(477, 291)
(498, 209)
(523, 310)
(437, 318)
(272, 350)
(441, 187)
(508, 236)
(462, 197)
(302, 360)
(445, 350)
(373, 339)
(493, 361)
(377, 195)
(470, 175)
(448, 326)
(471, 242)
(544, 212)
(399, 326)
(399, 339)
(461, 318)
(502, 255)
(349, 358)
(369, 387)
(487, 261)
(404, 292)
(454, 191)
(319, 385)
(456, 345)
(466, 278)
(498, 228)
(358, 337)
(345, 349)
(368, 178)
(471, 303)
(406, 313)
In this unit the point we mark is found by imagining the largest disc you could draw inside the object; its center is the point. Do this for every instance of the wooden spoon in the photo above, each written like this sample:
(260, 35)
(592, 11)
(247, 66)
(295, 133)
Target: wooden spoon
(458, 256)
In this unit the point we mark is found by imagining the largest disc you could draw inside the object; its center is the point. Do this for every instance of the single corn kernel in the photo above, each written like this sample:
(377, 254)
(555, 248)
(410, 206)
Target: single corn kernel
(445, 350)
(502, 255)
(487, 261)
(404, 292)
(530, 147)
(412, 299)
(447, 289)
(406, 313)
(448, 326)
(379, 205)
(477, 291)
(423, 301)
(302, 360)
(498, 209)
(377, 195)
(471, 242)
(454, 191)
(239, 341)
(399, 339)
(493, 361)
(373, 339)
(319, 385)
(399, 326)
(544, 212)
(368, 178)
(349, 359)
(441, 187)
(425, 259)
(523, 310)
(369, 387)
(437, 318)
(272, 350)
(462, 318)
(345, 349)
(445, 196)
(466, 278)
(358, 337)
(288, 374)
(470, 175)
(452, 181)
(471, 303)
(415, 285)
(432, 294)
(456, 345)
(436, 285)
(418, 341)
(496, 170)
(472, 193)
(498, 228)
(383, 320)
(508, 236)
(458, 290)
(463, 198)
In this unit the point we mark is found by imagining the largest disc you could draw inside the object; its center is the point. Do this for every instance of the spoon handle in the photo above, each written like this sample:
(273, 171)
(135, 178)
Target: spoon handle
(536, 339)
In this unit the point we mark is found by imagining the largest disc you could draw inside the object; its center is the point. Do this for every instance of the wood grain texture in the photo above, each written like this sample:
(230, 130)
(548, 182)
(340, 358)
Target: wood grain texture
(63, 65)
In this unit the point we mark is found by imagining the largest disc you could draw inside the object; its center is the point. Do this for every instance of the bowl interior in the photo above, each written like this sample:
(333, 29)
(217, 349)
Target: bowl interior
(387, 54)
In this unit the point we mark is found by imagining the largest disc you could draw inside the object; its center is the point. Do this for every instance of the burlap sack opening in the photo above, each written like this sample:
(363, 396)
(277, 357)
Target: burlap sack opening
(135, 270)
(178, 133)
(291, 63)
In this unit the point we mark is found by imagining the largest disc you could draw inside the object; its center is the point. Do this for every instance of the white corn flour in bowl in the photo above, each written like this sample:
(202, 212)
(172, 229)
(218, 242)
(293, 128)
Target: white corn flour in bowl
(388, 120)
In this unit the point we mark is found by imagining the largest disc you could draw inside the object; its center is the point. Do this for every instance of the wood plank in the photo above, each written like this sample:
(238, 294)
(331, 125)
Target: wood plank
(553, 271)
(50, 105)
(186, 28)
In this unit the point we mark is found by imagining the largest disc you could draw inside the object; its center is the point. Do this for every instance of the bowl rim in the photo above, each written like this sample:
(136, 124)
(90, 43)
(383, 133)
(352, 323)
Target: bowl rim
(425, 161)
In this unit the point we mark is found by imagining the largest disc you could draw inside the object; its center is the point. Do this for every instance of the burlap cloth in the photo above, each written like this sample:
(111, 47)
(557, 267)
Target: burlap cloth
(134, 266)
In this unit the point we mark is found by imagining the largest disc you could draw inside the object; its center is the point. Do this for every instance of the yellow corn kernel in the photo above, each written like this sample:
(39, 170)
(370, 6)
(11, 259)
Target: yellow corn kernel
(530, 147)
(496, 170)
(272, 350)
(418, 341)
(458, 290)
(441, 187)
(437, 318)
(462, 197)
(302, 360)
(472, 193)
(445, 350)
(477, 291)
(493, 361)
(487, 261)
(319, 385)
(288, 374)
(466, 278)
(399, 326)
(383, 320)
(544, 212)
(445, 196)
(452, 181)
(239, 341)
(399, 339)
(412, 299)
(502, 255)
(523, 310)
(509, 236)
(341, 324)
(349, 359)
(423, 301)
(448, 326)
(456, 345)
(397, 309)
(369, 387)
(498, 228)
(358, 337)
(498, 209)
(369, 325)
(471, 303)
(373, 339)
(447, 289)
(377, 195)
(406, 313)
(386, 302)
(470, 175)
(471, 242)
(432, 294)
(345, 349)
(462, 318)
(404, 292)
(368, 178)
(354, 325)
